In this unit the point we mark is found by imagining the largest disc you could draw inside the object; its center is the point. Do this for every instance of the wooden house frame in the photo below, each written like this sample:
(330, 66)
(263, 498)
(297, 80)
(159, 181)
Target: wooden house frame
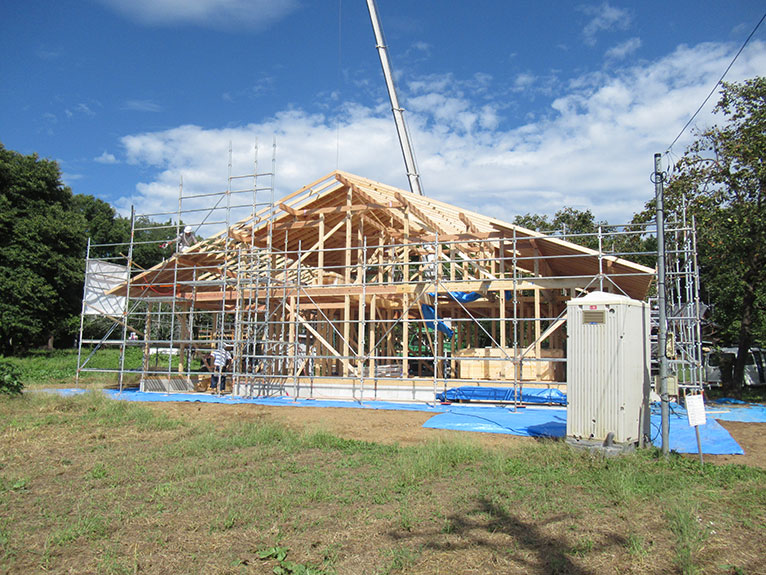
(351, 288)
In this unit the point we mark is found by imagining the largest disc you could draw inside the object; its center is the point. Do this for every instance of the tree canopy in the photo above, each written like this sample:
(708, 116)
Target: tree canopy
(43, 234)
(721, 181)
(41, 247)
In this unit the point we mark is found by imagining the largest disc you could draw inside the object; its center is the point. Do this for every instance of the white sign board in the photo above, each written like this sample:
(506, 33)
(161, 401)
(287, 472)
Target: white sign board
(100, 277)
(695, 410)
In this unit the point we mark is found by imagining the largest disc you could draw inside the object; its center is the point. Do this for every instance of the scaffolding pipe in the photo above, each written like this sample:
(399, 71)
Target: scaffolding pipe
(662, 332)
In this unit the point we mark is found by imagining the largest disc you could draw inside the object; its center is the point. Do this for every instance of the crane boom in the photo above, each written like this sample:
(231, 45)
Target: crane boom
(401, 126)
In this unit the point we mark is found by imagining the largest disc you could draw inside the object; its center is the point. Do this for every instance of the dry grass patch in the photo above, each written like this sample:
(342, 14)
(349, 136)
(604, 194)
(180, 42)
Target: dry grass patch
(92, 485)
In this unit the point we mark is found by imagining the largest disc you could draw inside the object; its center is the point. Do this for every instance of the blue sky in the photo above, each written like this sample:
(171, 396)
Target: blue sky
(514, 107)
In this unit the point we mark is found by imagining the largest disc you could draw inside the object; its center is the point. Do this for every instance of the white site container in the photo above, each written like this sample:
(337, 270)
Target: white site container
(608, 366)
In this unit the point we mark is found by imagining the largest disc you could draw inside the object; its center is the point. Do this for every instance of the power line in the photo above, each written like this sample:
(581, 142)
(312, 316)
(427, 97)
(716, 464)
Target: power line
(717, 83)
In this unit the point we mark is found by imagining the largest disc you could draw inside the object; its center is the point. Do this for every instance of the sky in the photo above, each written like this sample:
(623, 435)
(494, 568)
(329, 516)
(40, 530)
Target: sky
(513, 107)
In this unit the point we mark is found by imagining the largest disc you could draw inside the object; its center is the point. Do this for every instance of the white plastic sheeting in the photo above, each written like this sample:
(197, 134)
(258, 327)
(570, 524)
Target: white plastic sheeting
(101, 277)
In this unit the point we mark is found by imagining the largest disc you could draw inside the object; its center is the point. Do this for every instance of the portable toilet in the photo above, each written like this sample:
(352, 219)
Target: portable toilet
(608, 368)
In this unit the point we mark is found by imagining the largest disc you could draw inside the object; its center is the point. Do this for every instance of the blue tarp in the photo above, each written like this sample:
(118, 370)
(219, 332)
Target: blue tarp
(461, 296)
(727, 409)
(551, 422)
(528, 395)
(135, 395)
(464, 297)
(713, 436)
(429, 314)
(530, 421)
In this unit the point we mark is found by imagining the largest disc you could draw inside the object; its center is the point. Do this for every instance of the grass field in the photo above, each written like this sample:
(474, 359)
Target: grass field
(91, 485)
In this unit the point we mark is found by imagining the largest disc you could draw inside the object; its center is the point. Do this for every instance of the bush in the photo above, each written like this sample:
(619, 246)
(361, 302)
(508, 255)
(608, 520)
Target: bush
(10, 382)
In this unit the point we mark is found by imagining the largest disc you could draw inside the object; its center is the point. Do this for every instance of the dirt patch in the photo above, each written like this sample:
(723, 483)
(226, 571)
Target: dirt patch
(751, 438)
(90, 485)
(379, 426)
(406, 427)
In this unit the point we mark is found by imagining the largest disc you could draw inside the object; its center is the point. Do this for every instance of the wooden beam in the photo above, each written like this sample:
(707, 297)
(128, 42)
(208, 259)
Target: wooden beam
(428, 222)
(468, 224)
(347, 366)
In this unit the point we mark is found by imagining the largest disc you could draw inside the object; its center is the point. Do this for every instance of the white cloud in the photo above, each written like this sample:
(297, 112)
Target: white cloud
(524, 81)
(106, 158)
(81, 109)
(45, 53)
(604, 18)
(623, 49)
(593, 150)
(69, 178)
(207, 13)
(141, 106)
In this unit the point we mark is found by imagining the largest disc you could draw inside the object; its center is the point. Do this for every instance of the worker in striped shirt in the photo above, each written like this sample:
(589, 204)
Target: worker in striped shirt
(220, 359)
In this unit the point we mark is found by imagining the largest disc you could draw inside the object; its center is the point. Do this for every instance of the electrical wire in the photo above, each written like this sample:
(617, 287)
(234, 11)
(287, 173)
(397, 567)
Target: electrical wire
(717, 83)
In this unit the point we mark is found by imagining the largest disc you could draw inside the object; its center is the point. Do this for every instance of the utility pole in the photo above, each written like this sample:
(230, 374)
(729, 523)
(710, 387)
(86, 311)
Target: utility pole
(662, 335)
(398, 111)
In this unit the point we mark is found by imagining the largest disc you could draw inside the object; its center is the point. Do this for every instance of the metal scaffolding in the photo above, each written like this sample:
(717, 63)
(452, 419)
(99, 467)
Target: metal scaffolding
(349, 289)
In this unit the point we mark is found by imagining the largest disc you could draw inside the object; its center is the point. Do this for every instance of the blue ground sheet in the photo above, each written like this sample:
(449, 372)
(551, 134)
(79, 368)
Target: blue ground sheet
(526, 395)
(534, 421)
(715, 439)
(135, 395)
(528, 422)
(728, 409)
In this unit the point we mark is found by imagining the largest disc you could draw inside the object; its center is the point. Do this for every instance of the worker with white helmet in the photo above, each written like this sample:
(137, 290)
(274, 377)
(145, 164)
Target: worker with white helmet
(187, 239)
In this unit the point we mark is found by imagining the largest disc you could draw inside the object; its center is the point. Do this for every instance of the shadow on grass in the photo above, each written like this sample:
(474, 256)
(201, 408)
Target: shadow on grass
(535, 550)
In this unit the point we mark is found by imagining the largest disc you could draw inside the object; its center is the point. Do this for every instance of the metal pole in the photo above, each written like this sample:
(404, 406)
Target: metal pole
(663, 327)
(82, 315)
(123, 343)
(398, 111)
(600, 261)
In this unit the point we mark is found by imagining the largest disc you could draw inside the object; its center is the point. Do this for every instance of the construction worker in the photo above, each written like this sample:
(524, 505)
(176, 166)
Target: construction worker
(220, 359)
(187, 239)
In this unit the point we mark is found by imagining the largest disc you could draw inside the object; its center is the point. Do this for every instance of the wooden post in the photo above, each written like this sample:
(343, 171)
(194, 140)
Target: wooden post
(291, 328)
(147, 340)
(372, 340)
(184, 331)
(320, 247)
(452, 262)
(406, 297)
(439, 353)
(493, 271)
(347, 281)
(538, 331)
(503, 327)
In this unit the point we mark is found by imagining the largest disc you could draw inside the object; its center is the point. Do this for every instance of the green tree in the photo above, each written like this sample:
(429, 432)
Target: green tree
(110, 234)
(577, 226)
(721, 180)
(43, 235)
(103, 226)
(41, 247)
(151, 242)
